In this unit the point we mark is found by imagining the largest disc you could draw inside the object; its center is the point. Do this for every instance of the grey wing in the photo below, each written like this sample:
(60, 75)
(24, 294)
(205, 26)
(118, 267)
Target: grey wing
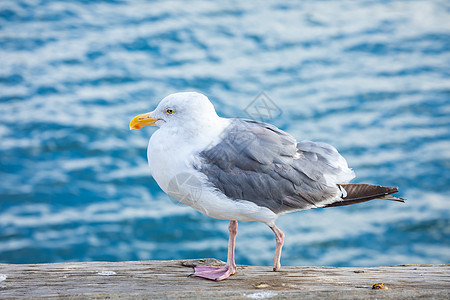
(260, 163)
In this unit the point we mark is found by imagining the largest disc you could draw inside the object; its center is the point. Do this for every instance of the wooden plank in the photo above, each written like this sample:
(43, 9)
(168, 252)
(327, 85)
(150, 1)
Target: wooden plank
(168, 279)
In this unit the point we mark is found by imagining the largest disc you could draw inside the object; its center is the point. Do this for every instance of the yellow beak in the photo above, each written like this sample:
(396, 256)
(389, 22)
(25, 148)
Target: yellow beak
(141, 121)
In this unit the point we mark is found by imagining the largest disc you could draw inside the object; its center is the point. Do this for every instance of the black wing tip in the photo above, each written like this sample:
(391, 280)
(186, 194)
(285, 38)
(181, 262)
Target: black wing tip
(361, 191)
(394, 189)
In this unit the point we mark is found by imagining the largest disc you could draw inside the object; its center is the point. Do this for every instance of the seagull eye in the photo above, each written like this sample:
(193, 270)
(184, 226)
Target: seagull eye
(169, 111)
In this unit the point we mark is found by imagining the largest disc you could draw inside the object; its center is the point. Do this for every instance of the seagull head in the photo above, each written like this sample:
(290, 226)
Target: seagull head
(178, 110)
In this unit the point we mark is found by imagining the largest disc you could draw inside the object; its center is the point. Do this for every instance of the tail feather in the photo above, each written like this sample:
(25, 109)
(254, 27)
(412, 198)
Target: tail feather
(357, 193)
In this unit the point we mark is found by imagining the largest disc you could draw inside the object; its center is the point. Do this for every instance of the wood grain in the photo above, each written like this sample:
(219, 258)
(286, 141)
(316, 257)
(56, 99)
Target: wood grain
(168, 279)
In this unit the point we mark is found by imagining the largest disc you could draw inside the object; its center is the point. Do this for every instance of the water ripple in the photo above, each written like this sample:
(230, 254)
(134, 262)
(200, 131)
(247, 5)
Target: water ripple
(369, 77)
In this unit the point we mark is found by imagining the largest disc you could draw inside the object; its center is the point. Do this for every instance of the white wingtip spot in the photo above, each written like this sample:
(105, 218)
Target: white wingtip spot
(343, 191)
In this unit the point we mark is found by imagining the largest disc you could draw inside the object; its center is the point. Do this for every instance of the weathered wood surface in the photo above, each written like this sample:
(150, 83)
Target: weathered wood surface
(168, 279)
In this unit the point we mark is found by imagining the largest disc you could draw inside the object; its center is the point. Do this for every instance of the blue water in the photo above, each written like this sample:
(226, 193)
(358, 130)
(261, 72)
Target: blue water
(369, 77)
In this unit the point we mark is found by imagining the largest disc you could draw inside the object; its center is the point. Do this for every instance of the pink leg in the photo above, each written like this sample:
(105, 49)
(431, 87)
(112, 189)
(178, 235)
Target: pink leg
(221, 273)
(279, 238)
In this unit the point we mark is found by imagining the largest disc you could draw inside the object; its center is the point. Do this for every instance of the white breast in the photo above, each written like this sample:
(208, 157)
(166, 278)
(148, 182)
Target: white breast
(171, 160)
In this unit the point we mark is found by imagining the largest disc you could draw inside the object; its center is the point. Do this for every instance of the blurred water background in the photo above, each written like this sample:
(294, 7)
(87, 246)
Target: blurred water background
(369, 77)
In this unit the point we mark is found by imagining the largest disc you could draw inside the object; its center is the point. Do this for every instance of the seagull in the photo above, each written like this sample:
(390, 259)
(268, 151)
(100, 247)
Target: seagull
(243, 170)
